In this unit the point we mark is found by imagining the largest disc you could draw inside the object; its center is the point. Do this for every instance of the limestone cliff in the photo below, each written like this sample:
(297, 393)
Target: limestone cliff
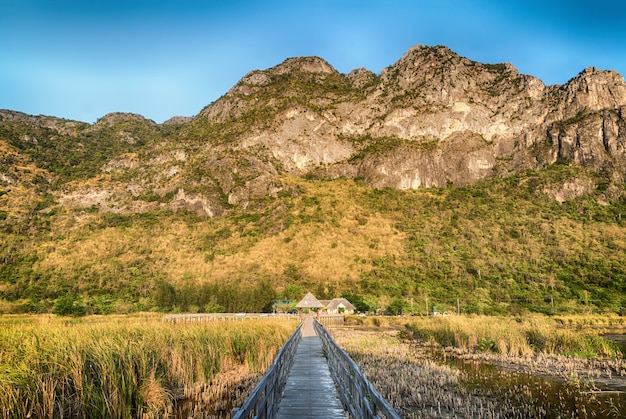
(476, 120)
(428, 120)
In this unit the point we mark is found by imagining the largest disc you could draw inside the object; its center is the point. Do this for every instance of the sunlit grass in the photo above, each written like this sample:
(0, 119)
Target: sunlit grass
(122, 366)
(428, 366)
(328, 237)
(516, 336)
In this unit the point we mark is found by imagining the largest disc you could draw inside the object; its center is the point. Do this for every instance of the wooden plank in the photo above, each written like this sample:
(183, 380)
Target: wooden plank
(310, 391)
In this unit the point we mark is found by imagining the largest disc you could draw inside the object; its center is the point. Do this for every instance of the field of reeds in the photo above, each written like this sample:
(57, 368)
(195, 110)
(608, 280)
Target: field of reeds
(131, 366)
(480, 366)
(414, 383)
(577, 336)
(141, 367)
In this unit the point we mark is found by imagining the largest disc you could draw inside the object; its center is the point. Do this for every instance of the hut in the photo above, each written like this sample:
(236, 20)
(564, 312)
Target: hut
(310, 302)
(339, 306)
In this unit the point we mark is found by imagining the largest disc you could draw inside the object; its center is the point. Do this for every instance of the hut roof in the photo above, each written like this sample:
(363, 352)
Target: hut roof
(309, 301)
(337, 302)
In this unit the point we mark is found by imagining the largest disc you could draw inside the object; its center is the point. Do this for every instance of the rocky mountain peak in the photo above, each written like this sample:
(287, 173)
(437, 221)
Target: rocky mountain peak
(292, 78)
(361, 77)
(431, 118)
(9, 115)
(436, 76)
(310, 64)
(593, 90)
(114, 117)
(177, 120)
(421, 62)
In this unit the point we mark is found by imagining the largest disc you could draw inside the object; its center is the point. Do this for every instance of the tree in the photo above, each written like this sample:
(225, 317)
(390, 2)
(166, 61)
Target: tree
(69, 305)
(292, 292)
(396, 307)
(164, 295)
(266, 294)
(357, 301)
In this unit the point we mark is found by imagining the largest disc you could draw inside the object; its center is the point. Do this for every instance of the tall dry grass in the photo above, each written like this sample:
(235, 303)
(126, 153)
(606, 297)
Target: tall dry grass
(577, 336)
(411, 381)
(426, 383)
(120, 367)
(329, 238)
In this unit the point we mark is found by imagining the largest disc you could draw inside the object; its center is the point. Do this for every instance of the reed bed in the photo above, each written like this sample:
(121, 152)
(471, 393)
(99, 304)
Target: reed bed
(411, 381)
(444, 366)
(540, 345)
(129, 367)
(576, 336)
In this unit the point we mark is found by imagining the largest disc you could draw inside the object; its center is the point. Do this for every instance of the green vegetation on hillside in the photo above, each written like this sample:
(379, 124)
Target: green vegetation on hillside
(504, 246)
(74, 150)
(500, 246)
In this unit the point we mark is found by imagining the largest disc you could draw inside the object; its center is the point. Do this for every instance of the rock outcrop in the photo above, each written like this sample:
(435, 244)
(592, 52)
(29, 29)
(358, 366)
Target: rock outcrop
(430, 119)
(468, 120)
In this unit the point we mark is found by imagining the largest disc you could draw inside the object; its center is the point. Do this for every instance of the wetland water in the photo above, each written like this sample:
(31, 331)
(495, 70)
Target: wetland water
(604, 397)
(558, 398)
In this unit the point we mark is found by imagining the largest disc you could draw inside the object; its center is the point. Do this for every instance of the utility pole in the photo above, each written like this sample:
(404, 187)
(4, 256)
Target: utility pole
(458, 306)
(427, 306)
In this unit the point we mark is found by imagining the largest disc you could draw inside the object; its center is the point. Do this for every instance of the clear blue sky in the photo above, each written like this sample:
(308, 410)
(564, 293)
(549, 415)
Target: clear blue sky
(84, 58)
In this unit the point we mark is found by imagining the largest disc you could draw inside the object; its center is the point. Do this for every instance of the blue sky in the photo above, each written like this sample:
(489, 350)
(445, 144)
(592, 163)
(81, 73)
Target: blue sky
(82, 59)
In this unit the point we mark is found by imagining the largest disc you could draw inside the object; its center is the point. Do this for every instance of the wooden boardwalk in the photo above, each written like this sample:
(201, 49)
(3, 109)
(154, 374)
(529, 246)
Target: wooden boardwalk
(310, 391)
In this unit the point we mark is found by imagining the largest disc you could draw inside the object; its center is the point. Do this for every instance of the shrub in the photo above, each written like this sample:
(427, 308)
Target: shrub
(69, 305)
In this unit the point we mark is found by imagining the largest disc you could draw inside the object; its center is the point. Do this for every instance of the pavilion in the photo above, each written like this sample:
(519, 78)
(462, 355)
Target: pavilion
(310, 302)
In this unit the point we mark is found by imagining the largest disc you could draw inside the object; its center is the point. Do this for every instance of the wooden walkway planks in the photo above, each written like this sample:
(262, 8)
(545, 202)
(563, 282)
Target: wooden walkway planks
(310, 391)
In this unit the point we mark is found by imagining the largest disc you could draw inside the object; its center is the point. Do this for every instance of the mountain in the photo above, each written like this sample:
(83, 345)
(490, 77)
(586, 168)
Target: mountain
(293, 161)
(448, 119)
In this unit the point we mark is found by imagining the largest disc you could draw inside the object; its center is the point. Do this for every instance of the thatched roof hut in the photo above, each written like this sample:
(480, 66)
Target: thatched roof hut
(309, 301)
(339, 305)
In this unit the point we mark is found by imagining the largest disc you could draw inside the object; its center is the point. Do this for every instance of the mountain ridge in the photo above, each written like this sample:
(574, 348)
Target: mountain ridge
(450, 120)
(438, 175)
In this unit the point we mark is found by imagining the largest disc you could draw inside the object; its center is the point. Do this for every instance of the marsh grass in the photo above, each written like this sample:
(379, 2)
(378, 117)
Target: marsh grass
(576, 336)
(426, 382)
(123, 366)
(411, 381)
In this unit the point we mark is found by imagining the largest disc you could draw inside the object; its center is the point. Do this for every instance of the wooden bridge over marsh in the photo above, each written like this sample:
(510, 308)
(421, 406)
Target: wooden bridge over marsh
(312, 377)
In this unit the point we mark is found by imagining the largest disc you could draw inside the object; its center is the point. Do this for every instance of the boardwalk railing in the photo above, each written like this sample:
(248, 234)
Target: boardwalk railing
(355, 390)
(265, 397)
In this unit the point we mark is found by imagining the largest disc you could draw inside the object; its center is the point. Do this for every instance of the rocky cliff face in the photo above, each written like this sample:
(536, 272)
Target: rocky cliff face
(430, 119)
(460, 121)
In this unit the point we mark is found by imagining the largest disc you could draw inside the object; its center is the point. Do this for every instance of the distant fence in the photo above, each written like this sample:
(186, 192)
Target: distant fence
(264, 399)
(355, 390)
(325, 319)
(216, 317)
(331, 319)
